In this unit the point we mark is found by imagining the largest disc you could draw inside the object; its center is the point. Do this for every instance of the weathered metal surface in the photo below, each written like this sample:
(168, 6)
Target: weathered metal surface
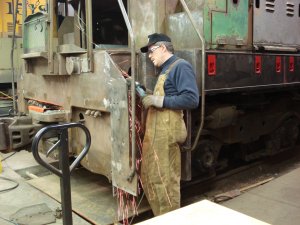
(3, 137)
(5, 106)
(105, 91)
(179, 27)
(98, 98)
(276, 23)
(21, 131)
(226, 24)
(4, 133)
(262, 114)
(237, 71)
(50, 116)
(5, 64)
(35, 26)
(147, 17)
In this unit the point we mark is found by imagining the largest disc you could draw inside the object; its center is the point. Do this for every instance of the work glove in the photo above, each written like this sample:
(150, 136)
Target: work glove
(153, 100)
(128, 81)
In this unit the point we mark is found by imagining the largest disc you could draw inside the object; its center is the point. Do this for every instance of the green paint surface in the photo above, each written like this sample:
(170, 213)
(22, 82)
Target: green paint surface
(226, 22)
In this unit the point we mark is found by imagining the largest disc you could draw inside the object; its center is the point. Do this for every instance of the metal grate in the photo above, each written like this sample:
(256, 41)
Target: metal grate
(290, 9)
(270, 6)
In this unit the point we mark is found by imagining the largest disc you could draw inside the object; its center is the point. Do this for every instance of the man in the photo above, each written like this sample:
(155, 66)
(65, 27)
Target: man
(175, 90)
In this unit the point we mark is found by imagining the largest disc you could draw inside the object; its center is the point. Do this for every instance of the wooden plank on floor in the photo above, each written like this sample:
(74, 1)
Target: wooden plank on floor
(203, 212)
(92, 196)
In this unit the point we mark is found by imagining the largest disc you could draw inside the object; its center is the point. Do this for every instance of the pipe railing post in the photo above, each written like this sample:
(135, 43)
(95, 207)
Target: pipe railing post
(89, 32)
(51, 33)
(186, 9)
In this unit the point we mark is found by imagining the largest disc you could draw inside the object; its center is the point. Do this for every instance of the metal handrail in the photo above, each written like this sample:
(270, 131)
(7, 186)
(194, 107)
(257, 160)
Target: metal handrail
(202, 77)
(133, 100)
(13, 38)
(89, 32)
(51, 33)
(65, 170)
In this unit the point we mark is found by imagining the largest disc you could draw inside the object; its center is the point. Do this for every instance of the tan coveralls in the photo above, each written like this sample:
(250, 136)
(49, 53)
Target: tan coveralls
(161, 160)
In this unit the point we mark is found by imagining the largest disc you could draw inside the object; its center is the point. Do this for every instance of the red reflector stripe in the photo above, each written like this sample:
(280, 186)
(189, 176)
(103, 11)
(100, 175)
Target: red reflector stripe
(211, 65)
(258, 64)
(278, 64)
(292, 64)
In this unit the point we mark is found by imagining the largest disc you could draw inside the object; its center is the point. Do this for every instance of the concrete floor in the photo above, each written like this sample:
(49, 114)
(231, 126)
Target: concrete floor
(276, 202)
(24, 195)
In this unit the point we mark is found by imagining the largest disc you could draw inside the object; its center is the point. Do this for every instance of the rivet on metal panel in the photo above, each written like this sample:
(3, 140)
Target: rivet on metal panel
(292, 64)
(240, 42)
(221, 41)
(211, 65)
(97, 113)
(258, 64)
(278, 64)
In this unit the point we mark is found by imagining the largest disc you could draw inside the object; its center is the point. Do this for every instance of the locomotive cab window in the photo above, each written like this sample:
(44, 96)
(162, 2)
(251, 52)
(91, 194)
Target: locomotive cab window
(109, 27)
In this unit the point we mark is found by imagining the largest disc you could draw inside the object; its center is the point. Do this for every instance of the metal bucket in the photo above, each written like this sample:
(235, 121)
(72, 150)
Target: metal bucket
(5, 106)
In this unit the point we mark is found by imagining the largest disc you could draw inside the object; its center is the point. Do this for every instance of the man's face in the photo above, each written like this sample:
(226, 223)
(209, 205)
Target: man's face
(156, 55)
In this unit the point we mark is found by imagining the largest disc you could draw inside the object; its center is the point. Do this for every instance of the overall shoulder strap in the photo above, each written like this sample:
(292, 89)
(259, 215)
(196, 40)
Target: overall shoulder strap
(172, 65)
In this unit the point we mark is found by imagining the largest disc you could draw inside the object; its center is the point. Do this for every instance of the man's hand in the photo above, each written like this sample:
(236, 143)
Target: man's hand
(153, 100)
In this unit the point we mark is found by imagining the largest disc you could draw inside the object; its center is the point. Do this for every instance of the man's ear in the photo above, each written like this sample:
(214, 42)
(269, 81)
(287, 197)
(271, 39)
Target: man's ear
(164, 48)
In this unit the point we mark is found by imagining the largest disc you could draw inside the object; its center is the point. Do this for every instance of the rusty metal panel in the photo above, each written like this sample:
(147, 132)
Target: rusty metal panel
(104, 91)
(276, 23)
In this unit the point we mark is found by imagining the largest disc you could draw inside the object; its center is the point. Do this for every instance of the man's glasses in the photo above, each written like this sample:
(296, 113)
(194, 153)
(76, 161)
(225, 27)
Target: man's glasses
(151, 50)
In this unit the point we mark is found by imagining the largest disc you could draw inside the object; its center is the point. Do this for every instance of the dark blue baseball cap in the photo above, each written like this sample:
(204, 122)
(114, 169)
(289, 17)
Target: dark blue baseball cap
(153, 38)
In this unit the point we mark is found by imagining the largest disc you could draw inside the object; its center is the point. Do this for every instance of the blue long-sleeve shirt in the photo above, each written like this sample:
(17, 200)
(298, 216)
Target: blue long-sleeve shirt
(181, 91)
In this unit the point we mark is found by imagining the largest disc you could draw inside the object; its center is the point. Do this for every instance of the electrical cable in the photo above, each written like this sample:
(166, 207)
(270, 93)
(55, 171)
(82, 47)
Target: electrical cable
(137, 208)
(8, 156)
(10, 188)
(8, 220)
(7, 96)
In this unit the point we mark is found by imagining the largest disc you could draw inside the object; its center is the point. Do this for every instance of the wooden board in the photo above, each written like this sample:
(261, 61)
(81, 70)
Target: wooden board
(92, 195)
(203, 212)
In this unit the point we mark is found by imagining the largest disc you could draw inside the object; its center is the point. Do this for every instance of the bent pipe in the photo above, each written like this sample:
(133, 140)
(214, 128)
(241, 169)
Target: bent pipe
(61, 128)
